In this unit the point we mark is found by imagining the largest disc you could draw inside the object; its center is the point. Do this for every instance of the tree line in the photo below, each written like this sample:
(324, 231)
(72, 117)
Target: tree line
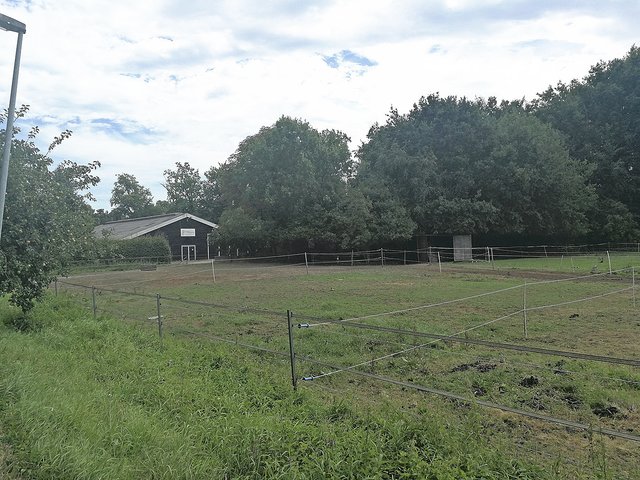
(563, 167)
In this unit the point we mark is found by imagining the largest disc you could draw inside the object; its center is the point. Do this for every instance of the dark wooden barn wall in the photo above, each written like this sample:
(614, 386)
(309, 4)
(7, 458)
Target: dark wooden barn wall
(172, 232)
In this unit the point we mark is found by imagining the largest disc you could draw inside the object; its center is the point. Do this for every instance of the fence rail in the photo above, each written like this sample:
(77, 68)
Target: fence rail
(430, 254)
(159, 310)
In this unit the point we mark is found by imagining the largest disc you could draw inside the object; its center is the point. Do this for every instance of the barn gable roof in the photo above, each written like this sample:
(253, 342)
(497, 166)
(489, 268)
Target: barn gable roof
(136, 227)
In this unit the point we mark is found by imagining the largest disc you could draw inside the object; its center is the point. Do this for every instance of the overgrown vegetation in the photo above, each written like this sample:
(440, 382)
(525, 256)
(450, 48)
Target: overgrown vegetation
(99, 399)
(152, 249)
(598, 118)
(392, 431)
(46, 219)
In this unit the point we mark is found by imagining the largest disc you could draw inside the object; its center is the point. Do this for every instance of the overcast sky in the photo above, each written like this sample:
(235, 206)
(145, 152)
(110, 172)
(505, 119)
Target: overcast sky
(146, 83)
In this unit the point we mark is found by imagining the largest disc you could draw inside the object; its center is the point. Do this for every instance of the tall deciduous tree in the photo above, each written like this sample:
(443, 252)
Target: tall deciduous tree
(537, 186)
(600, 118)
(46, 221)
(458, 166)
(184, 188)
(129, 198)
(211, 202)
(293, 181)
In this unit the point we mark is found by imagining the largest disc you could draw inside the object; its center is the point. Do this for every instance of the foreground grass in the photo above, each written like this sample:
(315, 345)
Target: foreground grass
(6, 461)
(593, 394)
(98, 399)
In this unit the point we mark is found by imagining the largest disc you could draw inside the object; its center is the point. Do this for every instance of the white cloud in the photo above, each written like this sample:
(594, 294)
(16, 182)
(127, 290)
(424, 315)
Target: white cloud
(145, 84)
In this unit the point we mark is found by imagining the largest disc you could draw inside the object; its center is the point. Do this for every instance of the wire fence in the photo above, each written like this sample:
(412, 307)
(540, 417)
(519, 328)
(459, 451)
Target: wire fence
(501, 334)
(598, 254)
(139, 277)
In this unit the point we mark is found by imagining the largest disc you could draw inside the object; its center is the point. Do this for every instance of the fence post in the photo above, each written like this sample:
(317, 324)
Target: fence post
(382, 257)
(93, 301)
(524, 309)
(404, 256)
(352, 257)
(439, 263)
(306, 262)
(633, 285)
(213, 270)
(159, 318)
(493, 260)
(292, 354)
(609, 258)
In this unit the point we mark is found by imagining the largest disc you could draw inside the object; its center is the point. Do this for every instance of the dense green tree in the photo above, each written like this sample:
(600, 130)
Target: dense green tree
(293, 179)
(600, 118)
(129, 198)
(423, 159)
(161, 207)
(538, 188)
(184, 188)
(460, 166)
(37, 241)
(387, 219)
(101, 216)
(238, 229)
(211, 202)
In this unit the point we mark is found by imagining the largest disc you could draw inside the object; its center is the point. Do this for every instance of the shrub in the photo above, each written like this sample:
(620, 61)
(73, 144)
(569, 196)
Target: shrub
(146, 247)
(149, 248)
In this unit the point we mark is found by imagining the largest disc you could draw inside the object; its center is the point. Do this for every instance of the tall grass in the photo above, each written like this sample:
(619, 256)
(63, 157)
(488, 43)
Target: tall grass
(81, 398)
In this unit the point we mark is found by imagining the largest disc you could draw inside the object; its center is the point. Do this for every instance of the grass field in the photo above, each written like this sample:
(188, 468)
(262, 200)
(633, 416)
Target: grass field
(341, 424)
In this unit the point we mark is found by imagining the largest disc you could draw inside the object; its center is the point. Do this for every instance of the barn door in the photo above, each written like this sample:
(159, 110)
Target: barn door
(188, 252)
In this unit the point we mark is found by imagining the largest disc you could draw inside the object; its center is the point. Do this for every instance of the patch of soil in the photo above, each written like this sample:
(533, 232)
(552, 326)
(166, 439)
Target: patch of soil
(607, 411)
(478, 390)
(479, 366)
(485, 367)
(529, 382)
(461, 368)
(573, 401)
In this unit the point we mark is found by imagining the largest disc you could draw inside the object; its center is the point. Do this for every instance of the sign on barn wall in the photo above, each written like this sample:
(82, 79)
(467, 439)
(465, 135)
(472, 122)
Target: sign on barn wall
(187, 232)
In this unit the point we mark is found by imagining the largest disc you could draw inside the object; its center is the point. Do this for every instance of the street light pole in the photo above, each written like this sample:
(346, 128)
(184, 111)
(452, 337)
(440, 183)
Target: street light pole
(11, 25)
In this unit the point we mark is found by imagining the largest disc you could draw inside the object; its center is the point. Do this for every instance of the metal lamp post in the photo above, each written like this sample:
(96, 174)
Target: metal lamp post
(10, 25)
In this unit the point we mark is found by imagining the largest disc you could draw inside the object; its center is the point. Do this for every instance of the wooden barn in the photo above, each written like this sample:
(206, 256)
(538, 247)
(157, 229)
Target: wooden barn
(186, 233)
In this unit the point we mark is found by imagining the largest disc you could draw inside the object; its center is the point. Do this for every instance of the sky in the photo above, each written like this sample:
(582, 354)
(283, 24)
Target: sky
(147, 83)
